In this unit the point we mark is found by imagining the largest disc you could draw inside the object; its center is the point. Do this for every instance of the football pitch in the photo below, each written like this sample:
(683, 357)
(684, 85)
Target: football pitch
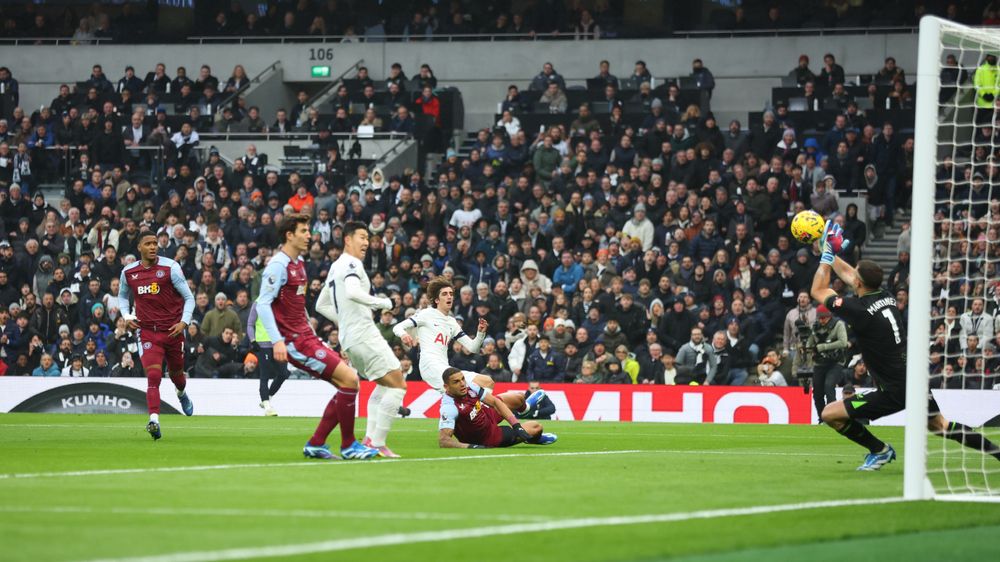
(97, 487)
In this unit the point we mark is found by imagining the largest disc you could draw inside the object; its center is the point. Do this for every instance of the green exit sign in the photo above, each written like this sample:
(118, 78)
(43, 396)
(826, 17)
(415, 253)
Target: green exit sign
(321, 72)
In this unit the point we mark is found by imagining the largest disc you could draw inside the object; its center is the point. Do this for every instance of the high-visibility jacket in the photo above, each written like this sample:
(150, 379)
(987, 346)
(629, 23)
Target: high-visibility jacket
(987, 81)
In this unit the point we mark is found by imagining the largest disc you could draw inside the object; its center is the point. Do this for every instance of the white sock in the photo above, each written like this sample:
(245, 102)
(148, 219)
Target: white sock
(180, 393)
(373, 405)
(387, 412)
(154, 418)
(266, 404)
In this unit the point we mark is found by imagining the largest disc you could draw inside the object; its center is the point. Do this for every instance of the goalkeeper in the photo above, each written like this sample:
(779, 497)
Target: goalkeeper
(878, 324)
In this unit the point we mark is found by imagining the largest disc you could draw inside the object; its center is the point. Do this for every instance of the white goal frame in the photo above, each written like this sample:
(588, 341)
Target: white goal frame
(916, 484)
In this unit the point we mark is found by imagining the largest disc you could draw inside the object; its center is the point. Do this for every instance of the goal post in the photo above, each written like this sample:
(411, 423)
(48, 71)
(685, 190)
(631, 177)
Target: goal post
(915, 483)
(950, 225)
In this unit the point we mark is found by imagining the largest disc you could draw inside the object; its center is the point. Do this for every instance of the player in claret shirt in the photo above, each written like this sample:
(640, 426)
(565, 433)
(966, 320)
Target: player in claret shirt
(281, 307)
(470, 417)
(163, 307)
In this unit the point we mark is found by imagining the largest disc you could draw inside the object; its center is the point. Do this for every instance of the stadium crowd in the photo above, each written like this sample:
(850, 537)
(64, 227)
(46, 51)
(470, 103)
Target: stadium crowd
(598, 251)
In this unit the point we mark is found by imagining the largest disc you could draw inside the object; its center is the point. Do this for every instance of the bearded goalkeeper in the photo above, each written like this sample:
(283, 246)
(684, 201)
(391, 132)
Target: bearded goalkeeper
(876, 321)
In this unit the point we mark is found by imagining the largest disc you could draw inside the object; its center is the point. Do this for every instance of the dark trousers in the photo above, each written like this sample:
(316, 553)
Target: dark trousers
(269, 370)
(826, 376)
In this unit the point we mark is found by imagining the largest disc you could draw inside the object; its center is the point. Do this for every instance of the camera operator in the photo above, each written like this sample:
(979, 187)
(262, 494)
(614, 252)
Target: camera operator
(829, 344)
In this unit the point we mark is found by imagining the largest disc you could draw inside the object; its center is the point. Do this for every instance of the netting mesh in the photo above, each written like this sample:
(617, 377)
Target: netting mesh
(965, 306)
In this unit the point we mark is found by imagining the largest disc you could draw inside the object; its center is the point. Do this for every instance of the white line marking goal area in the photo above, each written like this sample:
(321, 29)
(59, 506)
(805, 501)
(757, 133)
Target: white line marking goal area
(302, 464)
(397, 539)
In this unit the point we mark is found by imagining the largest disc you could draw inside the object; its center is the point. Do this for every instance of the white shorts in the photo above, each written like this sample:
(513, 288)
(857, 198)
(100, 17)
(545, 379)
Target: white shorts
(372, 359)
(438, 384)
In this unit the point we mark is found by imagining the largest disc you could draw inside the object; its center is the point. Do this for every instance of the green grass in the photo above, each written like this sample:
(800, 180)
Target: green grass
(678, 469)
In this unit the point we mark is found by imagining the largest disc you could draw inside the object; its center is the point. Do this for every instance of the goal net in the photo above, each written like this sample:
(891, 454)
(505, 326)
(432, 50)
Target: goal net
(954, 301)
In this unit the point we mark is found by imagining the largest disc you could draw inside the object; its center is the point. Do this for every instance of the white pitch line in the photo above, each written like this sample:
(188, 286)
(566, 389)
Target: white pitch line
(301, 513)
(394, 539)
(200, 468)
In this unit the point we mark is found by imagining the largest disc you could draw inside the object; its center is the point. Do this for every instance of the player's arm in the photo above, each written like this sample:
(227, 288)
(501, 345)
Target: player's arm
(471, 345)
(353, 291)
(181, 286)
(400, 330)
(124, 304)
(505, 413)
(446, 429)
(325, 304)
(274, 277)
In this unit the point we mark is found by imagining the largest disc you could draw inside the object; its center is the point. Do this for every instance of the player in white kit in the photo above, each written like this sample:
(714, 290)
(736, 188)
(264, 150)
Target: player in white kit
(346, 300)
(436, 330)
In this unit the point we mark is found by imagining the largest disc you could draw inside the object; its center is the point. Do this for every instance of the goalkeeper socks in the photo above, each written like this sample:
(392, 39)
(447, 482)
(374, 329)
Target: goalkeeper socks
(860, 435)
(972, 439)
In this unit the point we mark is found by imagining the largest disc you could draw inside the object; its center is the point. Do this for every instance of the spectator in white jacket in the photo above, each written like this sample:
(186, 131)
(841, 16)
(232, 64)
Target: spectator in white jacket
(640, 227)
(975, 322)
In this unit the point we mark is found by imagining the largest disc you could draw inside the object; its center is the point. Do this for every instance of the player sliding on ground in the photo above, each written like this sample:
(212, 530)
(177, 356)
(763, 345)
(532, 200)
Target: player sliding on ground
(346, 300)
(436, 330)
(281, 307)
(878, 325)
(163, 307)
(470, 417)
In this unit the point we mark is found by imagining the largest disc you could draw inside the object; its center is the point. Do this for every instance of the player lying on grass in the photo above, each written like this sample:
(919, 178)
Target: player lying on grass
(880, 331)
(281, 307)
(471, 414)
(163, 308)
(347, 300)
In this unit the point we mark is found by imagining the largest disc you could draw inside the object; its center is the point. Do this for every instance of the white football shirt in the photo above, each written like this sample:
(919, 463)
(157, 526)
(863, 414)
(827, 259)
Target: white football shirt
(354, 319)
(435, 333)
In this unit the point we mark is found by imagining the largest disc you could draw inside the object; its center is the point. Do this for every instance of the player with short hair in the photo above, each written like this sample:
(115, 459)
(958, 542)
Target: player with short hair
(281, 307)
(471, 416)
(878, 325)
(163, 308)
(346, 300)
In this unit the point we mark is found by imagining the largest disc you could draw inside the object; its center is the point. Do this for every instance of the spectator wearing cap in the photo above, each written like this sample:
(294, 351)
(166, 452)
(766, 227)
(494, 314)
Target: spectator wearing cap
(220, 318)
(543, 365)
(640, 227)
(830, 343)
(562, 333)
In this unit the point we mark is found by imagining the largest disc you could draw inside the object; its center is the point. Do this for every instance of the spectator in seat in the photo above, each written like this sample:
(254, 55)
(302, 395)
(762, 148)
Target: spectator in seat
(543, 365)
(831, 73)
(220, 356)
(703, 78)
(99, 81)
(546, 159)
(768, 373)
(604, 73)
(220, 318)
(640, 227)
(130, 82)
(402, 122)
(496, 370)
(824, 199)
(47, 368)
(890, 73)
(76, 367)
(547, 76)
(696, 360)
(801, 73)
(589, 374)
(555, 97)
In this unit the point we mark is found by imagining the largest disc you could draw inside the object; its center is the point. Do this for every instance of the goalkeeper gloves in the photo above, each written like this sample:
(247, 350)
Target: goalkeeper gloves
(833, 239)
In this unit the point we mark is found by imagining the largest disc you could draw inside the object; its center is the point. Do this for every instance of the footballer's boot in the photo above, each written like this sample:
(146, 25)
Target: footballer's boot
(386, 453)
(875, 461)
(318, 452)
(533, 400)
(547, 439)
(357, 451)
(186, 404)
(153, 428)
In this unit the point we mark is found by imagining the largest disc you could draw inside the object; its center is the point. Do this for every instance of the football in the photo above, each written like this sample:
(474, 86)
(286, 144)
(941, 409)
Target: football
(807, 226)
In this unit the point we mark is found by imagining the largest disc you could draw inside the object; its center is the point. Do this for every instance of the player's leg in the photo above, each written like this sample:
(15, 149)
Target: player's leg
(174, 350)
(960, 433)
(842, 416)
(514, 400)
(483, 381)
(311, 355)
(269, 371)
(151, 356)
(394, 390)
